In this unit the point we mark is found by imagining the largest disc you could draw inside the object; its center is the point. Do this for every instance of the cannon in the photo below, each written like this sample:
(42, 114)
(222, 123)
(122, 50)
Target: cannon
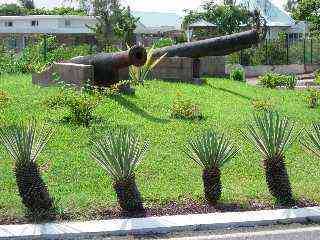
(106, 66)
(104, 69)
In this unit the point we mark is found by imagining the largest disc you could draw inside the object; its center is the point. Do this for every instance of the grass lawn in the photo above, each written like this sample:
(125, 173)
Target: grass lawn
(80, 186)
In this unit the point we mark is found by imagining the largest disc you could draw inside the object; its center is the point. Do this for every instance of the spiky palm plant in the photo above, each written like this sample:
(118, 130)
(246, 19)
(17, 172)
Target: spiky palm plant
(24, 144)
(271, 135)
(211, 151)
(311, 141)
(119, 153)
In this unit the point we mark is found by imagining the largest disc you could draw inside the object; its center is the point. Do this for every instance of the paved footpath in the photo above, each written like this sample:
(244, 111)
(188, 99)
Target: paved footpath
(279, 232)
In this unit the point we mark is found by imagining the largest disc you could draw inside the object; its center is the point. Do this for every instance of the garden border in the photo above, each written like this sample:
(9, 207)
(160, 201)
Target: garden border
(159, 225)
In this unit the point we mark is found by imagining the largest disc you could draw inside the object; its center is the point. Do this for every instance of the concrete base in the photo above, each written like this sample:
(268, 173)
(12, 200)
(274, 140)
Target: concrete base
(69, 73)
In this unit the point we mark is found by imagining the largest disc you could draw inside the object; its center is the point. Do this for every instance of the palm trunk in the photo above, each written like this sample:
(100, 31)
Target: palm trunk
(278, 180)
(129, 197)
(212, 185)
(32, 189)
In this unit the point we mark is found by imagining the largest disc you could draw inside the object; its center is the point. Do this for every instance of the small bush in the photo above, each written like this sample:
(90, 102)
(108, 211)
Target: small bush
(164, 42)
(317, 76)
(313, 97)
(263, 104)
(4, 99)
(185, 109)
(273, 80)
(237, 74)
(81, 105)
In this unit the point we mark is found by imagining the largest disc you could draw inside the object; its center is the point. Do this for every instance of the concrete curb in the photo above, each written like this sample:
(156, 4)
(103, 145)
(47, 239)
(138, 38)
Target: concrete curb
(158, 225)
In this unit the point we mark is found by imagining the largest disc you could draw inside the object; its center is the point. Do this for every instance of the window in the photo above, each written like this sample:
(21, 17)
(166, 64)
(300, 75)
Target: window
(34, 23)
(8, 24)
(67, 22)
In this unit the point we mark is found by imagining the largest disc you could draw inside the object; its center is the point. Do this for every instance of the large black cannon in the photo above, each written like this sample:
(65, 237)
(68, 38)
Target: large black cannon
(107, 65)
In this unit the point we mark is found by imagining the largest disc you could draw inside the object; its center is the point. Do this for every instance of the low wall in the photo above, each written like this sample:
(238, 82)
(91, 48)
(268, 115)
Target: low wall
(256, 71)
(212, 66)
(69, 73)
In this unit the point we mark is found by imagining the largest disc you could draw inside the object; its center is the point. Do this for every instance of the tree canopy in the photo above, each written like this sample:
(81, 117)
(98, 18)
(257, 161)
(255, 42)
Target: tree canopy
(308, 10)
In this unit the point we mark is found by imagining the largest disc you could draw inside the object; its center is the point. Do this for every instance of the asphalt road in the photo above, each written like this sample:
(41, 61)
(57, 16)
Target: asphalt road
(278, 232)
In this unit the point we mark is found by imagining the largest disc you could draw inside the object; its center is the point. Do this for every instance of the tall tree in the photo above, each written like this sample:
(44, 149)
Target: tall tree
(291, 5)
(309, 10)
(29, 4)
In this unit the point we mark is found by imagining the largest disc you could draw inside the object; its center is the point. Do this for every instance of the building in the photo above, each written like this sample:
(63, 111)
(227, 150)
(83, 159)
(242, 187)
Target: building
(16, 32)
(277, 19)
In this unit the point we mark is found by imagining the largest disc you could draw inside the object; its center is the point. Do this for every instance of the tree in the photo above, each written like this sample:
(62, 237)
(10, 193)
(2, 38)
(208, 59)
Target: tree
(228, 17)
(290, 5)
(28, 4)
(10, 10)
(309, 10)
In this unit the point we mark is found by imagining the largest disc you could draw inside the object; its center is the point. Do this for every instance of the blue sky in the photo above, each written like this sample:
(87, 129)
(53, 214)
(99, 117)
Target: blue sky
(142, 5)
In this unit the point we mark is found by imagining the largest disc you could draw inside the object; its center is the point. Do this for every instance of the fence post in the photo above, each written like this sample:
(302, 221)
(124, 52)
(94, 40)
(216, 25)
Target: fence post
(311, 50)
(45, 47)
(266, 53)
(304, 51)
(241, 57)
(287, 46)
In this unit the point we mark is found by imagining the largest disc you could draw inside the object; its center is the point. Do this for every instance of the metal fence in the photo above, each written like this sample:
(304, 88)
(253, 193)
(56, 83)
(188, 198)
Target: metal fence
(279, 52)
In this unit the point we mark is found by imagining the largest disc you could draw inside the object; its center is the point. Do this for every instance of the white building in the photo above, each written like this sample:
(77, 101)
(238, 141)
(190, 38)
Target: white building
(16, 31)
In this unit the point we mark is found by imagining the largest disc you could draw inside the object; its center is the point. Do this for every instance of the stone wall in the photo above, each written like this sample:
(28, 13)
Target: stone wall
(69, 73)
(212, 66)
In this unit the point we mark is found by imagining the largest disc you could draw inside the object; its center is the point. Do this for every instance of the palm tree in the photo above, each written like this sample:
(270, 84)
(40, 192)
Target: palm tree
(24, 144)
(272, 135)
(312, 139)
(119, 153)
(29, 4)
(211, 151)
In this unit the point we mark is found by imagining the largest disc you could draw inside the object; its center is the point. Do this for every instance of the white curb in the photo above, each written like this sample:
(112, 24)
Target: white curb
(155, 225)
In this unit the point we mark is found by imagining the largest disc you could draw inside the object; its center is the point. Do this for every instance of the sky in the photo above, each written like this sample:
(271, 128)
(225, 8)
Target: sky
(142, 5)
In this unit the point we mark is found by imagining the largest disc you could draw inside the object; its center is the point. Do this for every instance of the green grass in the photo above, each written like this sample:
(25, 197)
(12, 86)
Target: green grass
(81, 186)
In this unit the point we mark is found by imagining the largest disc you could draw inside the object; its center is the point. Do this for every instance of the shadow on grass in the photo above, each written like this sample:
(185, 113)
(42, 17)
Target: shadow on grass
(231, 92)
(137, 110)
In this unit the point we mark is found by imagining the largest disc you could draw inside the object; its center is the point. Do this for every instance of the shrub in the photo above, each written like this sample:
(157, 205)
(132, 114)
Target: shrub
(311, 141)
(184, 108)
(80, 104)
(140, 74)
(313, 97)
(4, 99)
(317, 76)
(271, 135)
(263, 104)
(24, 144)
(211, 151)
(164, 42)
(119, 153)
(237, 74)
(273, 80)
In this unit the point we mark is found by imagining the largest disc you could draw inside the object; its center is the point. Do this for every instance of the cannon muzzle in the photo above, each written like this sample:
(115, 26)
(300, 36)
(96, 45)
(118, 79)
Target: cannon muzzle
(107, 65)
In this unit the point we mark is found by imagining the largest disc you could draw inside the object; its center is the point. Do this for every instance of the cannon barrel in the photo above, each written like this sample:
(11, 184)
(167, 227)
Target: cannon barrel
(218, 46)
(106, 65)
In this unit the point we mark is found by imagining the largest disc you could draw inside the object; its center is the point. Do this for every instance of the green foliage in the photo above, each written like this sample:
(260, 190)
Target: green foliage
(81, 105)
(263, 104)
(317, 76)
(228, 18)
(4, 99)
(313, 97)
(311, 140)
(308, 10)
(119, 153)
(164, 42)
(184, 108)
(211, 150)
(237, 74)
(271, 134)
(140, 74)
(273, 80)
(31, 59)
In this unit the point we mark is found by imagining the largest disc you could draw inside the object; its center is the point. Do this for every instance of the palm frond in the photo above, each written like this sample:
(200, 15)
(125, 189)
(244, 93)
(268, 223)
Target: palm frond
(311, 141)
(271, 134)
(119, 153)
(211, 150)
(24, 143)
